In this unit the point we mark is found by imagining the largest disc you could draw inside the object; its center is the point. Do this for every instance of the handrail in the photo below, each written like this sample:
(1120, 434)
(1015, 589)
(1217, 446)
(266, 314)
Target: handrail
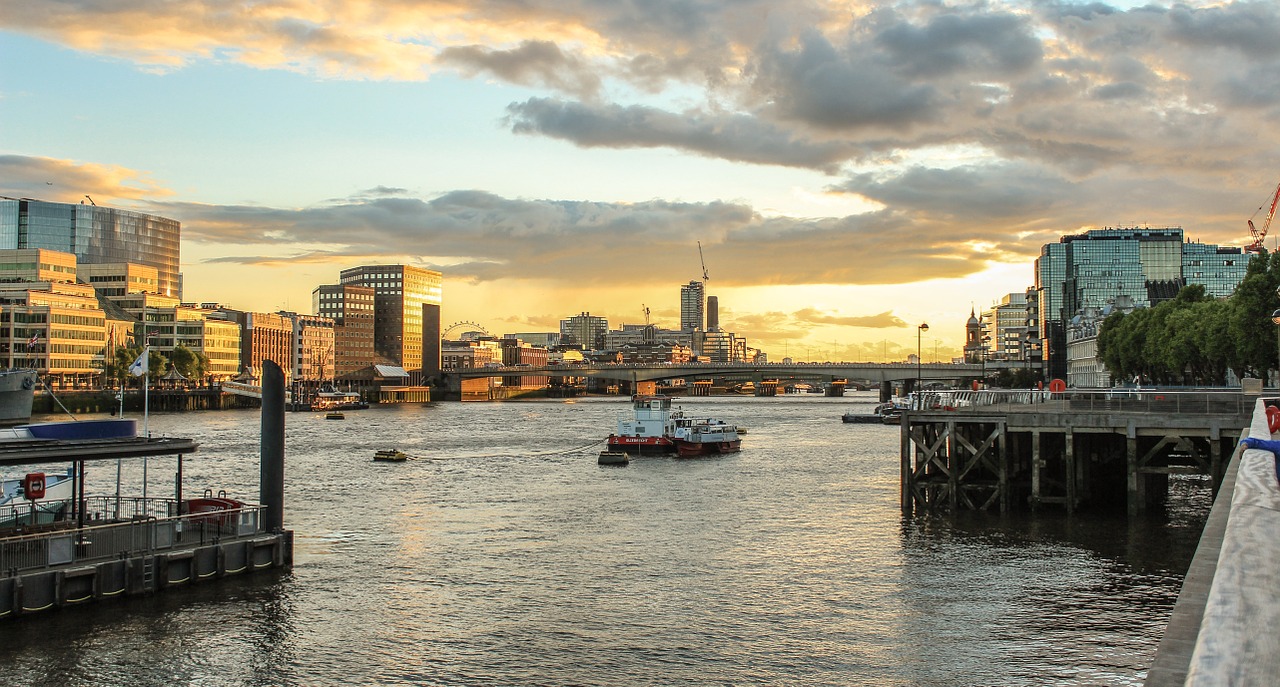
(140, 534)
(1119, 399)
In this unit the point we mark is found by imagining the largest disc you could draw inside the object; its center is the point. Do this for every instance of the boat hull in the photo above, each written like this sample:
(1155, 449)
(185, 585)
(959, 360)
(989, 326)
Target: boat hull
(690, 449)
(640, 445)
(17, 392)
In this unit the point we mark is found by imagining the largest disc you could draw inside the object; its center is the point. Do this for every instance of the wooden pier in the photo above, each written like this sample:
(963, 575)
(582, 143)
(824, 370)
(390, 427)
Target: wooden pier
(1005, 452)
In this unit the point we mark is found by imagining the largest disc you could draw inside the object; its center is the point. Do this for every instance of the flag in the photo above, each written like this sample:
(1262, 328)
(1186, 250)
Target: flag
(139, 366)
(31, 343)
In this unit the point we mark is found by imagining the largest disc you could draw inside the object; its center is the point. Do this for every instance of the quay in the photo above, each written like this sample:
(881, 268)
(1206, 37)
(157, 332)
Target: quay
(89, 549)
(1006, 450)
(1222, 628)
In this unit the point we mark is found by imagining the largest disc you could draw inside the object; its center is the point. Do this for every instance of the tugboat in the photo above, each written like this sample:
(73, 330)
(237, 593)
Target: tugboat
(657, 428)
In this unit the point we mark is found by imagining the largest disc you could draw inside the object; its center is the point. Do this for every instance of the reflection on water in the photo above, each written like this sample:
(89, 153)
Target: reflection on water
(498, 558)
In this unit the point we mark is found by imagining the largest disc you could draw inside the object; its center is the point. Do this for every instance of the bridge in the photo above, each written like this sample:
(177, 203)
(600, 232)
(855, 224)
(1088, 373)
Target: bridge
(872, 373)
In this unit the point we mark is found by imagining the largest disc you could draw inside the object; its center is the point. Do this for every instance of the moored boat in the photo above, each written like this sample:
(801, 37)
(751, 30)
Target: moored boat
(17, 391)
(655, 427)
(706, 437)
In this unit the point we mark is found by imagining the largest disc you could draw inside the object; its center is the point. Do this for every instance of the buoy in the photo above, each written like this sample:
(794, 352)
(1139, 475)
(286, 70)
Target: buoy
(1273, 419)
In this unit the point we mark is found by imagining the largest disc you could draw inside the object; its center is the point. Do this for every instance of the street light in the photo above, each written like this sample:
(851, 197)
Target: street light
(919, 331)
(1275, 318)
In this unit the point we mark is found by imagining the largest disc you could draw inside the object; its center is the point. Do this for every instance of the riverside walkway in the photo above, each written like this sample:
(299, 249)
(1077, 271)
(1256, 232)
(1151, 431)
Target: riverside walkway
(1223, 627)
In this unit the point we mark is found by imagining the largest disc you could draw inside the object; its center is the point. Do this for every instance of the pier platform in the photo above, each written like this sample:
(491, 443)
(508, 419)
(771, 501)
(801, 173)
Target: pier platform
(1010, 450)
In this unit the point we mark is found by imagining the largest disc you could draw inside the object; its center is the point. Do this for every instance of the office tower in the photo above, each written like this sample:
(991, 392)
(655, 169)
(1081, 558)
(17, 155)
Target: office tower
(691, 305)
(96, 235)
(585, 330)
(350, 306)
(713, 313)
(400, 292)
(1147, 265)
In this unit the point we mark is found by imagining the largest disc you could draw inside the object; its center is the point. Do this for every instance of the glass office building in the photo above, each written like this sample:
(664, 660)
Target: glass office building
(96, 235)
(1147, 265)
(406, 309)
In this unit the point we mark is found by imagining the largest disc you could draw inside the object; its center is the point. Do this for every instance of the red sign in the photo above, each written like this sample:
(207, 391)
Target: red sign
(33, 486)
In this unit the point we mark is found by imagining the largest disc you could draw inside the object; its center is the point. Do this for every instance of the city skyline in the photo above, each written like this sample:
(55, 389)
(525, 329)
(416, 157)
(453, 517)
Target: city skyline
(850, 172)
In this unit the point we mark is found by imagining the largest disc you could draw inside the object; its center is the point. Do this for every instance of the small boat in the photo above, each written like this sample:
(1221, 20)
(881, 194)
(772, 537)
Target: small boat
(391, 455)
(334, 415)
(870, 418)
(613, 458)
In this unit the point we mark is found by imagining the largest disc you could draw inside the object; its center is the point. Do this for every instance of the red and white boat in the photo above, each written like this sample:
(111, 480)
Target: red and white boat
(655, 427)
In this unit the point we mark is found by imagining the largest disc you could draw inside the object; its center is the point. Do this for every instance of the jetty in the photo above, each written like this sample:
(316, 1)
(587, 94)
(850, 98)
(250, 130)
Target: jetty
(1009, 450)
(97, 548)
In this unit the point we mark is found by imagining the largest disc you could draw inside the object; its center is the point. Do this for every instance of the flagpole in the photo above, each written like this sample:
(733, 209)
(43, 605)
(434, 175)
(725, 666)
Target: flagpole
(146, 407)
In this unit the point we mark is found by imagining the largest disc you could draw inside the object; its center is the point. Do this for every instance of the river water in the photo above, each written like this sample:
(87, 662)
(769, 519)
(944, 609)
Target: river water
(503, 555)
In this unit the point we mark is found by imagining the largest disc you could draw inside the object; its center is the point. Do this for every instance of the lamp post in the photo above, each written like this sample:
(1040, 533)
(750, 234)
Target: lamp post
(919, 331)
(1275, 318)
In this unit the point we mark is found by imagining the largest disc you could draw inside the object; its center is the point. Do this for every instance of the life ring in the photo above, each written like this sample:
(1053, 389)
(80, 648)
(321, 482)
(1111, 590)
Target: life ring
(1273, 419)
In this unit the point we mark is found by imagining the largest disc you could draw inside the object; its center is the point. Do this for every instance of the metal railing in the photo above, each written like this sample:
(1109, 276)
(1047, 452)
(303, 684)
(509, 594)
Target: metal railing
(1126, 400)
(105, 537)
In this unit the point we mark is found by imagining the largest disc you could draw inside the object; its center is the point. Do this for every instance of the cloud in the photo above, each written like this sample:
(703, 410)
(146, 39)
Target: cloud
(533, 62)
(67, 181)
(884, 320)
(726, 136)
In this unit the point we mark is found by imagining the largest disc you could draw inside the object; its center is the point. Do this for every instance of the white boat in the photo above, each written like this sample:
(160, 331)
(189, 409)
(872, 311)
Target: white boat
(704, 437)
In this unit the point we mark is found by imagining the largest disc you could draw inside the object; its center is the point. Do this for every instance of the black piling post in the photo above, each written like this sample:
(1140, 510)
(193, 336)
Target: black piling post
(271, 476)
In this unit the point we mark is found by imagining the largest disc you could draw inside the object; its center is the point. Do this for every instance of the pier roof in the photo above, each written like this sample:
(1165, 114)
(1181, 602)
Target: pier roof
(32, 451)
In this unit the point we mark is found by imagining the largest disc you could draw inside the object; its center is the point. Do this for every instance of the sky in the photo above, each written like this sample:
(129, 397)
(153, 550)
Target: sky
(844, 170)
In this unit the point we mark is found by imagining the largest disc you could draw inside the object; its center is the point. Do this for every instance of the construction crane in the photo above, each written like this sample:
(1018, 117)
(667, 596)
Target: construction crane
(706, 279)
(646, 314)
(1260, 234)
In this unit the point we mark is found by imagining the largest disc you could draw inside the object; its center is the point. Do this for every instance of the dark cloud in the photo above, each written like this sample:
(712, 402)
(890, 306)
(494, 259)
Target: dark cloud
(534, 62)
(995, 45)
(734, 137)
(1246, 28)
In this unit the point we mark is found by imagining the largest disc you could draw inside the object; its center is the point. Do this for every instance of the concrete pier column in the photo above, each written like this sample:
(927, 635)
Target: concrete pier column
(886, 391)
(271, 448)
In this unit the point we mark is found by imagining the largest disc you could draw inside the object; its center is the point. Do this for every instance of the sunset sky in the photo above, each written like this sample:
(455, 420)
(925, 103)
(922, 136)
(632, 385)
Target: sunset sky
(851, 169)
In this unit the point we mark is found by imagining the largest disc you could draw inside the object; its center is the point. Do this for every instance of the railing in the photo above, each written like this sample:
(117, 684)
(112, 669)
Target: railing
(1128, 400)
(105, 538)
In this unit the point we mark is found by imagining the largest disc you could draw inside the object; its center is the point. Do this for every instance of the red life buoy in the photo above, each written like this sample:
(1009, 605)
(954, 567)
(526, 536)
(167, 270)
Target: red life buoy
(1057, 386)
(1273, 419)
(33, 486)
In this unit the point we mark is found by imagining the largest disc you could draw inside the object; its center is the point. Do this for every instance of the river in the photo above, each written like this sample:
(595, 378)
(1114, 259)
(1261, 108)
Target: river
(503, 555)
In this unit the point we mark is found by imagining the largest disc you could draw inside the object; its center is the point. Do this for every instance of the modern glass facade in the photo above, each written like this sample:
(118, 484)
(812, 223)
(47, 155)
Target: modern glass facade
(96, 235)
(1146, 265)
(400, 292)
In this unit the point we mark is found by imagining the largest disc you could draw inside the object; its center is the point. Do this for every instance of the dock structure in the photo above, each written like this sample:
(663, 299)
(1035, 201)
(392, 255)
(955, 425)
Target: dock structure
(62, 553)
(1222, 628)
(1005, 450)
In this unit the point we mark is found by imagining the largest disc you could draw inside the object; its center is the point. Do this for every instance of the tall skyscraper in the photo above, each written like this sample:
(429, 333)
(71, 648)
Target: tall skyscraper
(1146, 264)
(400, 294)
(96, 235)
(586, 330)
(692, 312)
(713, 313)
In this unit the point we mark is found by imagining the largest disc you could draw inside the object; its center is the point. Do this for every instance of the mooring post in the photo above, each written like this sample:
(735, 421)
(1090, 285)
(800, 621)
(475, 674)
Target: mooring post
(271, 451)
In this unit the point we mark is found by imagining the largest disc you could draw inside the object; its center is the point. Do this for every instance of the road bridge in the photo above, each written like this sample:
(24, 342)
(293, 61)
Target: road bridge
(870, 373)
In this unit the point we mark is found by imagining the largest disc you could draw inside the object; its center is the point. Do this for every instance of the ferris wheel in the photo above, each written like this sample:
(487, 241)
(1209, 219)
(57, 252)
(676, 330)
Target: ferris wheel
(465, 327)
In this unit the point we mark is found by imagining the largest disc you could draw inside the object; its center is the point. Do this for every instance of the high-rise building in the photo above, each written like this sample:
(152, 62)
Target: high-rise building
(713, 313)
(1147, 265)
(403, 295)
(96, 234)
(350, 306)
(312, 348)
(692, 309)
(586, 330)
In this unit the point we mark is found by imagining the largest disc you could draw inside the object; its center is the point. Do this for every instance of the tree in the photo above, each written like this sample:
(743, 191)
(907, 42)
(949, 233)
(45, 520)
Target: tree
(184, 361)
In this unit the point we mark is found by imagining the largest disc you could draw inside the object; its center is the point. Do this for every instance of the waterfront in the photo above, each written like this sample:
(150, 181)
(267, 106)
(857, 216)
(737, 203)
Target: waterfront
(509, 558)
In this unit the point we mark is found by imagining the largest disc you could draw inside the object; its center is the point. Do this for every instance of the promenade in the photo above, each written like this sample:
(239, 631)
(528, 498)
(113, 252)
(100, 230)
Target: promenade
(1222, 629)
